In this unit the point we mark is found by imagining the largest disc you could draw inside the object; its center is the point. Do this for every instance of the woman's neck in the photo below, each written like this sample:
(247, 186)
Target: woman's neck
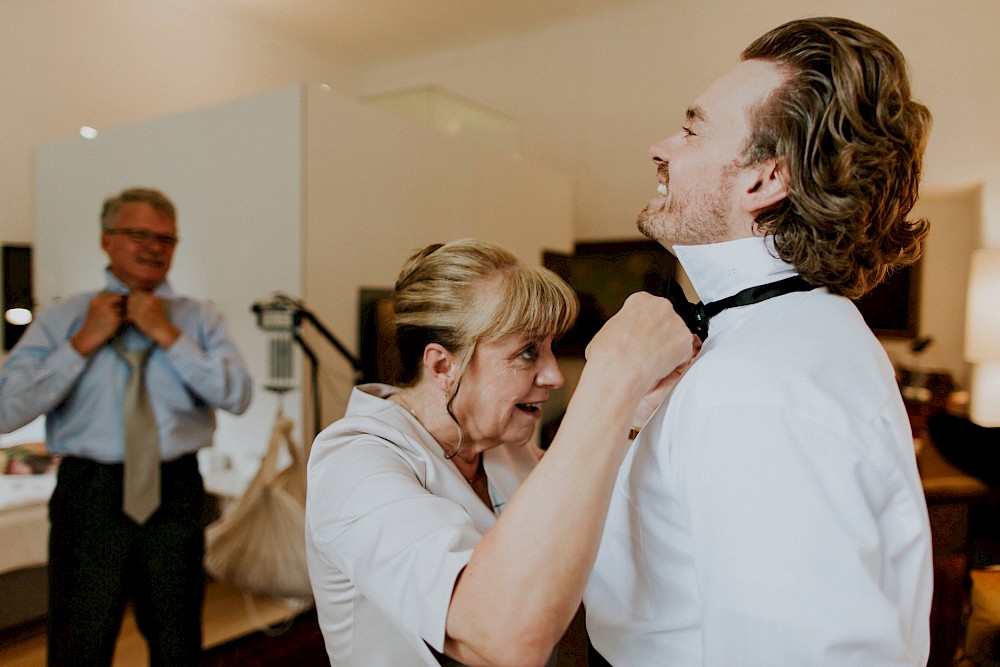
(429, 407)
(433, 416)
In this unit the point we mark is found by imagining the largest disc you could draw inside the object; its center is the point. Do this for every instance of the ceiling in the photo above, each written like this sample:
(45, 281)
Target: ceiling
(368, 33)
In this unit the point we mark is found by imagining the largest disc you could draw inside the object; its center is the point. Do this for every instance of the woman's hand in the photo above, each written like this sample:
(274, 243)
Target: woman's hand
(646, 345)
(552, 526)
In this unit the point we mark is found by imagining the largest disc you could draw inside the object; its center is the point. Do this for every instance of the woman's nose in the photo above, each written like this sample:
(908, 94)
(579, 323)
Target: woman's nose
(549, 375)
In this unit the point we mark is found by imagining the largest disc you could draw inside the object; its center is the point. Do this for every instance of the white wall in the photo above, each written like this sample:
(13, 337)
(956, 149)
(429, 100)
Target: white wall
(110, 63)
(234, 171)
(276, 194)
(590, 95)
(593, 94)
(379, 187)
(956, 213)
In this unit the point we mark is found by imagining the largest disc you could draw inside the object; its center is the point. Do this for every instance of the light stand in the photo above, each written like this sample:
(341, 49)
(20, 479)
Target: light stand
(283, 316)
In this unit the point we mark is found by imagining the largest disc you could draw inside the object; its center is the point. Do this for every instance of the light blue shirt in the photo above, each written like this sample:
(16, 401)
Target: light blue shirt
(82, 396)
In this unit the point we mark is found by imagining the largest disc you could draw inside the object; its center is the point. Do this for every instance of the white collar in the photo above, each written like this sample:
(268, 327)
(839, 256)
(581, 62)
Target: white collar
(112, 284)
(718, 270)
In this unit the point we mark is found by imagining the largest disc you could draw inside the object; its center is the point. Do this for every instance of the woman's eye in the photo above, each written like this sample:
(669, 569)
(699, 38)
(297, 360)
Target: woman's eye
(530, 353)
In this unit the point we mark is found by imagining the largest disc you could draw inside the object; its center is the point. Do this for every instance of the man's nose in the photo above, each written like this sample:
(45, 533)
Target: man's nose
(660, 151)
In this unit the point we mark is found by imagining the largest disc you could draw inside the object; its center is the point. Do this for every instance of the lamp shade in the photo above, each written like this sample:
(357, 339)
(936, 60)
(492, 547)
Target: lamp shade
(984, 399)
(982, 325)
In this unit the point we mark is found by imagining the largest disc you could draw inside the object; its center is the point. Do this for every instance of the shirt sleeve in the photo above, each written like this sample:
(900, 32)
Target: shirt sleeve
(38, 374)
(371, 518)
(209, 363)
(802, 528)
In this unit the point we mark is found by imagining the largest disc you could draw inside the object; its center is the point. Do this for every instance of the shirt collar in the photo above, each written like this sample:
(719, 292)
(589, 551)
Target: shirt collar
(112, 284)
(718, 270)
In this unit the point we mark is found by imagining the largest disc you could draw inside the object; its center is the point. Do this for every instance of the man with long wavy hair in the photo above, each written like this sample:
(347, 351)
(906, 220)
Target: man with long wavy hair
(770, 512)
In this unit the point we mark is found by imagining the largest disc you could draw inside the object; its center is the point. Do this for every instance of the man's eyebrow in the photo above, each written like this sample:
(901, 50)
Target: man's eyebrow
(695, 113)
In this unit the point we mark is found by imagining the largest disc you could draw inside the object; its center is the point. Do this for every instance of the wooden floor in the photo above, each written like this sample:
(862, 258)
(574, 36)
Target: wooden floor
(229, 615)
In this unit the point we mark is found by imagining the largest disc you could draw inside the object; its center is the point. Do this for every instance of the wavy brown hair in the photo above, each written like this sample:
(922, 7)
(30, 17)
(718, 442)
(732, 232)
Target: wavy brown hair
(853, 140)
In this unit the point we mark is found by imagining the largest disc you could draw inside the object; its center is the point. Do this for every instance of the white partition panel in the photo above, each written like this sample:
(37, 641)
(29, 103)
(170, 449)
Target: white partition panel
(379, 187)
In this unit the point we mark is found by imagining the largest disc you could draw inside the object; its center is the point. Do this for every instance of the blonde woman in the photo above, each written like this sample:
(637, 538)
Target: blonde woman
(434, 536)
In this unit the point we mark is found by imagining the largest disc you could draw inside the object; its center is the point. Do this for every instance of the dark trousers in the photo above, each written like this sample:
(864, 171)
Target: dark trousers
(99, 559)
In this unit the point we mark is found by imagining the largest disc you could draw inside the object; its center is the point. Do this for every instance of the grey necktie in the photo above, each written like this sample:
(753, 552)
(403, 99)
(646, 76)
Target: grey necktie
(142, 444)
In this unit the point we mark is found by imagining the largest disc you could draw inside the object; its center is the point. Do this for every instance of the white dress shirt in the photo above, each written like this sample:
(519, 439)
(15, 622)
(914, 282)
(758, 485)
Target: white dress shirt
(770, 513)
(390, 524)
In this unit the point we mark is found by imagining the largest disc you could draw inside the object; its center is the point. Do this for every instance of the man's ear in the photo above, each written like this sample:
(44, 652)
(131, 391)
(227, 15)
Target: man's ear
(439, 366)
(769, 187)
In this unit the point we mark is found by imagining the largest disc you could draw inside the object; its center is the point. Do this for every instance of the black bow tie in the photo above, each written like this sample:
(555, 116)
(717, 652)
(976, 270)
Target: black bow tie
(697, 315)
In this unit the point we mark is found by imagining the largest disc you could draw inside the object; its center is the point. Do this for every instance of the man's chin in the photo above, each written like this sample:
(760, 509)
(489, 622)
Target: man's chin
(654, 228)
(645, 223)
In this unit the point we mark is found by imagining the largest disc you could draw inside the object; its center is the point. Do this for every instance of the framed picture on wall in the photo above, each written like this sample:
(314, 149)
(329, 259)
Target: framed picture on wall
(891, 310)
(603, 275)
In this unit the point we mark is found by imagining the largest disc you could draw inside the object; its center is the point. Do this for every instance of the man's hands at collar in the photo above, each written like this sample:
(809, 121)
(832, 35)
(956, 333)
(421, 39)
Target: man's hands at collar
(108, 312)
(148, 313)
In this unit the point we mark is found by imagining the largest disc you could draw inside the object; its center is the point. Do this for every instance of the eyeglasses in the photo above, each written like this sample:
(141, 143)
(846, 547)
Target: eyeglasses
(143, 236)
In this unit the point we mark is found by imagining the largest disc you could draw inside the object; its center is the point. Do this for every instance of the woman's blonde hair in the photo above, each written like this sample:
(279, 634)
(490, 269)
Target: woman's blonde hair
(461, 293)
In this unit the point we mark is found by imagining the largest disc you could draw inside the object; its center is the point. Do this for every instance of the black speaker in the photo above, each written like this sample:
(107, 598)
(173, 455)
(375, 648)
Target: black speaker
(16, 263)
